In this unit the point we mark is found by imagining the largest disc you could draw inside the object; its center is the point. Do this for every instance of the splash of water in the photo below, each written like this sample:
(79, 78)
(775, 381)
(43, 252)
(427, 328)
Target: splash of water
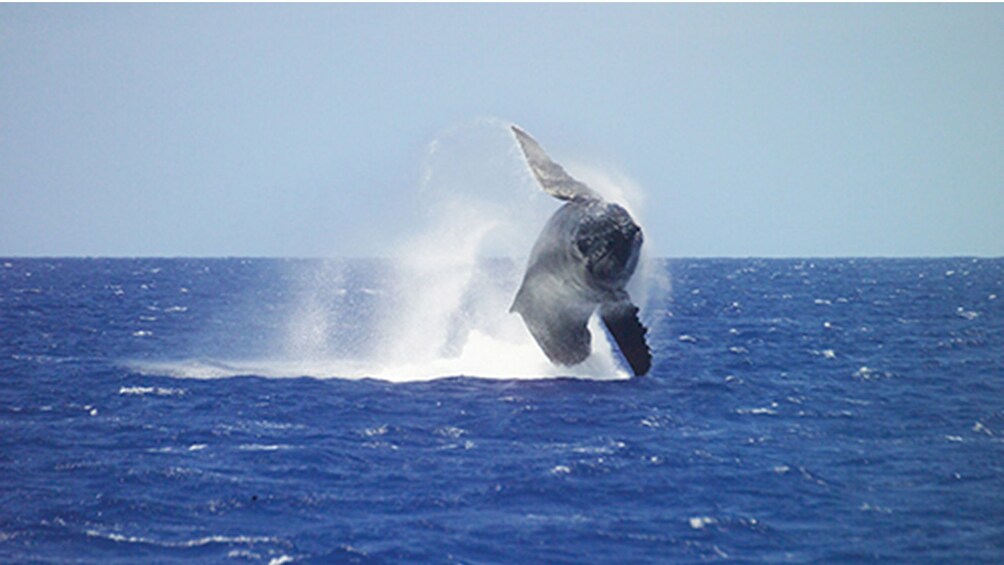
(444, 308)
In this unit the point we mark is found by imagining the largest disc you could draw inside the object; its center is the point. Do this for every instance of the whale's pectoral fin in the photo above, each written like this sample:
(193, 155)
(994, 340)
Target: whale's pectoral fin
(559, 330)
(550, 175)
(621, 320)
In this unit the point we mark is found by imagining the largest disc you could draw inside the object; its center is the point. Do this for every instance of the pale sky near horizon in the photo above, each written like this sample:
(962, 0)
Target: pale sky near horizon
(300, 130)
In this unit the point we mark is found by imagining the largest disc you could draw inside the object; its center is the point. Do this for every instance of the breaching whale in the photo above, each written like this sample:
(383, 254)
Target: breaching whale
(581, 262)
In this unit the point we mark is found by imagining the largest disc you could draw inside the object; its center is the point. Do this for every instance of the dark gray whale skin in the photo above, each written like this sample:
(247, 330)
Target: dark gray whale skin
(581, 262)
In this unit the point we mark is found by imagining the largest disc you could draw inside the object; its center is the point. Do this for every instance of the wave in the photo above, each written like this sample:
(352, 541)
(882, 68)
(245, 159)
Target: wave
(184, 544)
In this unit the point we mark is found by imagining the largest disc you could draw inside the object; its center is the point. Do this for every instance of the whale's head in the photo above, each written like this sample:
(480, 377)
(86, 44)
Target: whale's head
(609, 242)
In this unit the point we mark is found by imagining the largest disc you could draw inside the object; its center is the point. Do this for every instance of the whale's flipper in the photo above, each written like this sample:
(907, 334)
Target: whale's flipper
(621, 320)
(551, 176)
(558, 326)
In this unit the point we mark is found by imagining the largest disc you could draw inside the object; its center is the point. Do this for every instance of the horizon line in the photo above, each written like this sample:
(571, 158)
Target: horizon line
(393, 257)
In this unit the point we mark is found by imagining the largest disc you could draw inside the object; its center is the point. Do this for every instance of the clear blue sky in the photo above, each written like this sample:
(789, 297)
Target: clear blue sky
(300, 130)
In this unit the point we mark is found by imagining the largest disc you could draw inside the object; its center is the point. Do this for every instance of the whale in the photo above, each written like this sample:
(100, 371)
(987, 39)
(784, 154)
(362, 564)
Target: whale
(579, 265)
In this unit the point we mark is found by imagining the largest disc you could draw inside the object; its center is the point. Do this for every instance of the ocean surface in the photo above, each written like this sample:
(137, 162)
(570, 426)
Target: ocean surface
(308, 411)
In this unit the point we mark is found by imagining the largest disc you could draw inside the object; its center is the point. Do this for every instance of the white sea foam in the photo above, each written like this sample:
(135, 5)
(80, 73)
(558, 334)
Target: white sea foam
(262, 447)
(197, 542)
(870, 374)
(759, 411)
(967, 314)
(701, 522)
(825, 353)
(146, 390)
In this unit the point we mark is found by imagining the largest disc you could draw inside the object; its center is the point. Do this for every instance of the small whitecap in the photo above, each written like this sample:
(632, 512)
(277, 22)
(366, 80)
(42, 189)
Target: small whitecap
(955, 439)
(688, 338)
(700, 522)
(112, 536)
(650, 422)
(261, 447)
(967, 314)
(868, 373)
(375, 431)
(269, 425)
(145, 390)
(979, 428)
(560, 470)
(142, 333)
(380, 445)
(199, 542)
(866, 507)
(822, 301)
(825, 353)
(739, 350)
(781, 469)
(450, 431)
(197, 446)
(759, 411)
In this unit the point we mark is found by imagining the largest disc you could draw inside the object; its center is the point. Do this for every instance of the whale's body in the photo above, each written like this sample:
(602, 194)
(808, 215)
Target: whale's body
(581, 262)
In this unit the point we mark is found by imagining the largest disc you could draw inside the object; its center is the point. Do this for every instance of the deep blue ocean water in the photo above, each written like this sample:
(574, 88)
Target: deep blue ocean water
(799, 411)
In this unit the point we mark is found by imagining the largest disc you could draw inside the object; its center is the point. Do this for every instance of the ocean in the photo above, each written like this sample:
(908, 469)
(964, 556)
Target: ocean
(346, 411)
